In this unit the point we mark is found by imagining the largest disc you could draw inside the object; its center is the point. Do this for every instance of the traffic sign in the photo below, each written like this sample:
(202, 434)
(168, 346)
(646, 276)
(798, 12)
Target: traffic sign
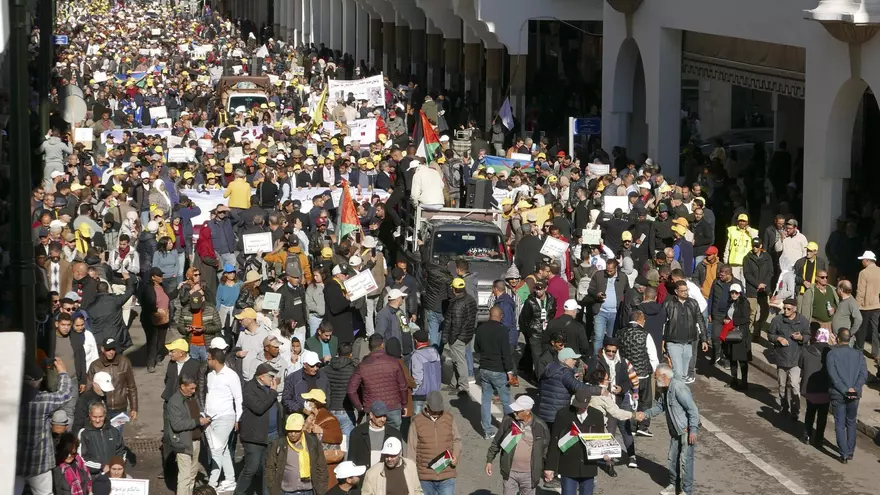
(60, 39)
(587, 126)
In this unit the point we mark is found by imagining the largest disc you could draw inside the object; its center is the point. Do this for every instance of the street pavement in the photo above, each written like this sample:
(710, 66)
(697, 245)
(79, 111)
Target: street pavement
(744, 446)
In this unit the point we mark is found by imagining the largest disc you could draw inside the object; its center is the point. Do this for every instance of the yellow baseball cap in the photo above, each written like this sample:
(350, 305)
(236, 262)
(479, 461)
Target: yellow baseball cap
(211, 175)
(327, 252)
(187, 175)
(227, 168)
(295, 422)
(334, 141)
(506, 201)
(264, 151)
(626, 236)
(812, 246)
(158, 149)
(247, 313)
(262, 159)
(377, 158)
(742, 217)
(552, 179)
(458, 283)
(117, 188)
(316, 394)
(178, 345)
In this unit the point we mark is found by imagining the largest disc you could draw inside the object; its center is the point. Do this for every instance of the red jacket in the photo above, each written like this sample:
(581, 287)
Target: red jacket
(558, 288)
(378, 377)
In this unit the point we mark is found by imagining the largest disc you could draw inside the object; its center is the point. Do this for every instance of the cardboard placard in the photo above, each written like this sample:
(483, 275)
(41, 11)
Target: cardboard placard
(177, 155)
(99, 77)
(360, 285)
(158, 113)
(598, 168)
(129, 486)
(591, 237)
(554, 248)
(174, 141)
(206, 145)
(236, 155)
(83, 135)
(612, 203)
(155, 32)
(271, 301)
(257, 243)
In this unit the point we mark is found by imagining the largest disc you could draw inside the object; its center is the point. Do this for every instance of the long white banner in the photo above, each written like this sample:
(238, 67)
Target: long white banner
(371, 89)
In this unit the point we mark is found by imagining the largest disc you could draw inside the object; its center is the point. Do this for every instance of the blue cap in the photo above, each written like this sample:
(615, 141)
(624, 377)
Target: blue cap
(227, 268)
(378, 408)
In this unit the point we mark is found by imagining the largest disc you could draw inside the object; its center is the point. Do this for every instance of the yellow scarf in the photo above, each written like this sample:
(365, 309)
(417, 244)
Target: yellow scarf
(804, 273)
(305, 464)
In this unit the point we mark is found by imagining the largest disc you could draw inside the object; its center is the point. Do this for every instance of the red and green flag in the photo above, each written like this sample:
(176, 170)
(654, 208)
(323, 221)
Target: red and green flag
(348, 218)
(427, 138)
(566, 441)
(512, 438)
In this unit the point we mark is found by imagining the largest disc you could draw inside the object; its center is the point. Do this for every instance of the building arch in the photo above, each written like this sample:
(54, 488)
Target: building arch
(629, 99)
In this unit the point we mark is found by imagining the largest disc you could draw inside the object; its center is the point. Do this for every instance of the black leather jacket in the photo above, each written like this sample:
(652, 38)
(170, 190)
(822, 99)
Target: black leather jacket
(530, 316)
(684, 321)
(460, 320)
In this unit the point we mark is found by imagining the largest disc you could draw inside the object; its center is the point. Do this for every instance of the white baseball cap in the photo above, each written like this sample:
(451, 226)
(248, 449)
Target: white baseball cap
(310, 358)
(56, 173)
(392, 446)
(869, 255)
(736, 288)
(523, 403)
(355, 261)
(395, 293)
(370, 242)
(104, 381)
(219, 343)
(349, 469)
(571, 305)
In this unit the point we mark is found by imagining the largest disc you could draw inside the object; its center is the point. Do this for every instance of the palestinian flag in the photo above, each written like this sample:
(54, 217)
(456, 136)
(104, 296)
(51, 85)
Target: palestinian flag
(441, 462)
(348, 218)
(566, 441)
(512, 438)
(427, 138)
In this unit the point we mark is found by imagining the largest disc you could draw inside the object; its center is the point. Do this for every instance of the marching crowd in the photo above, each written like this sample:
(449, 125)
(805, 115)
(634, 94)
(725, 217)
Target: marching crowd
(268, 354)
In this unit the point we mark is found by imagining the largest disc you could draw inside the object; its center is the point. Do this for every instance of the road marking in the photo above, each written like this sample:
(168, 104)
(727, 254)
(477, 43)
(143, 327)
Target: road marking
(754, 459)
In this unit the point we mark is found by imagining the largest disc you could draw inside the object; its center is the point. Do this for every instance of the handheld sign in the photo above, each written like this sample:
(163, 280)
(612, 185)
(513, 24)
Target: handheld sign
(554, 248)
(257, 243)
(360, 285)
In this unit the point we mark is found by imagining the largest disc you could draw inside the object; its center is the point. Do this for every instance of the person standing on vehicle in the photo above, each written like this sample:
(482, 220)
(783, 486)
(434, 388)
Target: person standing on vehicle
(459, 325)
(438, 279)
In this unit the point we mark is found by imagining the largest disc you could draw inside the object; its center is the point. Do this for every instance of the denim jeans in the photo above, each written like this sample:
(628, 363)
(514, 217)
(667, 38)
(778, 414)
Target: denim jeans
(346, 423)
(418, 405)
(181, 265)
(198, 352)
(845, 424)
(469, 358)
(254, 458)
(578, 486)
(314, 322)
(680, 355)
(492, 381)
(445, 487)
(433, 319)
(681, 463)
(603, 324)
(395, 418)
(145, 217)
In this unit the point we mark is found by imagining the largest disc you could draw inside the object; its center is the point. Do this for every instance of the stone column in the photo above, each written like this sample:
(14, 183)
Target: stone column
(401, 37)
(417, 46)
(279, 21)
(389, 52)
(336, 24)
(434, 53)
(473, 65)
(518, 89)
(494, 60)
(295, 22)
(452, 57)
(362, 39)
(376, 42)
(663, 99)
(349, 27)
(326, 22)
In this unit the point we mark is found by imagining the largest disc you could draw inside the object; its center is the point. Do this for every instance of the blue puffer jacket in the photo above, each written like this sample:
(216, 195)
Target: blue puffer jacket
(555, 389)
(508, 316)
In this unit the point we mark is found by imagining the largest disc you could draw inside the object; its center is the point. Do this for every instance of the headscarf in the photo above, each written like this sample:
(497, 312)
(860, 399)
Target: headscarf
(117, 460)
(205, 246)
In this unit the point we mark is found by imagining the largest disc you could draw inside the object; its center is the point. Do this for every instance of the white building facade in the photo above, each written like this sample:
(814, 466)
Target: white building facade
(815, 59)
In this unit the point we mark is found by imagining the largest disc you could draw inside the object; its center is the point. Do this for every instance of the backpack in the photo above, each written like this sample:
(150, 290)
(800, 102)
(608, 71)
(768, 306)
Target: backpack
(292, 265)
(586, 274)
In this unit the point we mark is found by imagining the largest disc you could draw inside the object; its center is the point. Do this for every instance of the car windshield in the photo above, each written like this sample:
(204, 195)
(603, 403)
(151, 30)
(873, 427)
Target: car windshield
(482, 246)
(247, 101)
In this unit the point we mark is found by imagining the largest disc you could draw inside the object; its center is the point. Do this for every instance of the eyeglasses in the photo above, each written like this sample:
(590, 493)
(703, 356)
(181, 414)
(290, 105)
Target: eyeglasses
(821, 276)
(788, 308)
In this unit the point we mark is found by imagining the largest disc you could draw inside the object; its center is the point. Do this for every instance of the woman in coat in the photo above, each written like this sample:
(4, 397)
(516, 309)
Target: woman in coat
(814, 387)
(206, 262)
(166, 259)
(155, 301)
(70, 475)
(740, 352)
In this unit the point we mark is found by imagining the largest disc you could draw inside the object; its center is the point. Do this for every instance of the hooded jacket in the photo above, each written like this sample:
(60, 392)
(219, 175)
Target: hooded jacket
(555, 388)
(105, 314)
(54, 150)
(339, 372)
(426, 370)
(815, 382)
(146, 248)
(508, 316)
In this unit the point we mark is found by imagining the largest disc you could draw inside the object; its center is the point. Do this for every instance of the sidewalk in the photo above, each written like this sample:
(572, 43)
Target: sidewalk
(868, 421)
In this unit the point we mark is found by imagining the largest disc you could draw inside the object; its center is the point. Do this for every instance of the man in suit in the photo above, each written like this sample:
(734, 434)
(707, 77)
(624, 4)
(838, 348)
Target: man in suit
(180, 364)
(58, 270)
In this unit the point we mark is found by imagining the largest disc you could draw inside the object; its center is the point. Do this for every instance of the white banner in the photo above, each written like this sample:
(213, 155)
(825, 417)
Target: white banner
(360, 285)
(83, 134)
(612, 203)
(158, 113)
(363, 130)
(257, 243)
(128, 486)
(371, 89)
(554, 248)
(598, 168)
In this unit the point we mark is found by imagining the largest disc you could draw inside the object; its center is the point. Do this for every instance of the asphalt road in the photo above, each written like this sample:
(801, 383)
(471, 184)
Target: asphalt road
(744, 447)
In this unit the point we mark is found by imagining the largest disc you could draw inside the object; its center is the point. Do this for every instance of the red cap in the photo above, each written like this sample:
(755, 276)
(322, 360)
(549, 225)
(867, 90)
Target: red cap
(561, 153)
(711, 250)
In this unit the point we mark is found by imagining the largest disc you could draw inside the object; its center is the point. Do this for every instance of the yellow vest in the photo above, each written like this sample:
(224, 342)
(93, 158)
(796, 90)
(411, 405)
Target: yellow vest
(739, 243)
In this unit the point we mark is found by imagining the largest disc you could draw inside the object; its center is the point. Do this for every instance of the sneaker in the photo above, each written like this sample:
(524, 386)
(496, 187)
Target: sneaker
(669, 490)
(472, 379)
(632, 462)
(690, 380)
(227, 486)
(489, 436)
(645, 432)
